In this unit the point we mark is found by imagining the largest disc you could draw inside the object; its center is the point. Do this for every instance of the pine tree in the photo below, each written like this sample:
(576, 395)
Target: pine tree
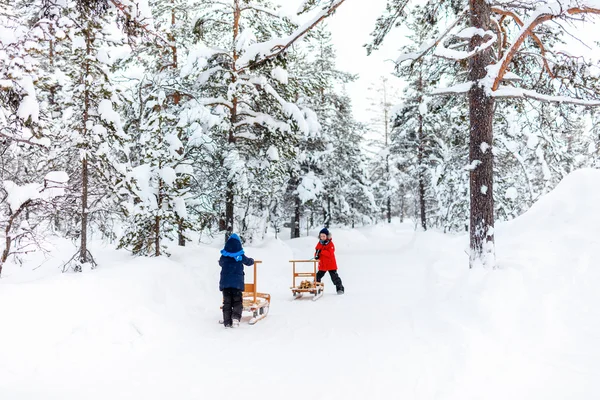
(349, 198)
(89, 141)
(168, 126)
(384, 96)
(244, 71)
(491, 51)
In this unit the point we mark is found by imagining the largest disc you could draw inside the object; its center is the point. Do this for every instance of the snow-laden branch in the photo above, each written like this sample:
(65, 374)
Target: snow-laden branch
(306, 125)
(215, 101)
(544, 13)
(512, 92)
(265, 10)
(430, 44)
(258, 118)
(461, 88)
(142, 17)
(459, 55)
(260, 53)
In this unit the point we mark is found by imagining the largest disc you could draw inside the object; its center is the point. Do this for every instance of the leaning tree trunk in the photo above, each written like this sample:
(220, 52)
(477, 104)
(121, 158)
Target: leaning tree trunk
(480, 149)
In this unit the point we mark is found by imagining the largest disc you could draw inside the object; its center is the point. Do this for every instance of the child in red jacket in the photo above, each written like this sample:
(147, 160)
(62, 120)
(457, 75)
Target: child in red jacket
(325, 253)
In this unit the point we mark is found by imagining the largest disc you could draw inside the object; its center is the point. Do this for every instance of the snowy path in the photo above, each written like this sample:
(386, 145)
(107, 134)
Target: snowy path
(414, 324)
(164, 343)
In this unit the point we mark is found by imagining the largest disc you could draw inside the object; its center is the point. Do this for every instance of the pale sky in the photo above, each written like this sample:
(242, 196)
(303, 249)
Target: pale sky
(350, 27)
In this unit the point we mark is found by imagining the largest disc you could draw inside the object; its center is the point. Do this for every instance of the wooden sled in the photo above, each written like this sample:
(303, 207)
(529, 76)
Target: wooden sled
(306, 286)
(255, 302)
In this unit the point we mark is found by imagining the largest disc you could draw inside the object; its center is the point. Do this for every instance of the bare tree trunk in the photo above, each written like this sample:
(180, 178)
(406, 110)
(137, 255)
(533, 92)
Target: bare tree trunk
(156, 236)
(481, 108)
(296, 221)
(157, 219)
(180, 230)
(402, 194)
(422, 203)
(328, 219)
(389, 203)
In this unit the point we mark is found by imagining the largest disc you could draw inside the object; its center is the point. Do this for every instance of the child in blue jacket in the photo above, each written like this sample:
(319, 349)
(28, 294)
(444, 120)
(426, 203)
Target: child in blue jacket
(232, 263)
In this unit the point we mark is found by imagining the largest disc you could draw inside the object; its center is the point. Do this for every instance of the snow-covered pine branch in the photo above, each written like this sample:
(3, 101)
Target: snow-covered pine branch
(260, 53)
(467, 34)
(427, 45)
(460, 88)
(513, 92)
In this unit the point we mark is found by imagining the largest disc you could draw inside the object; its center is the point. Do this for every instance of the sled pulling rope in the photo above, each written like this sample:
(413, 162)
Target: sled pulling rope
(306, 286)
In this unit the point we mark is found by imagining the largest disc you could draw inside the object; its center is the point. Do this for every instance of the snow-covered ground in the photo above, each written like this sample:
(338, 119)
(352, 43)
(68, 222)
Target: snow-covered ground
(414, 323)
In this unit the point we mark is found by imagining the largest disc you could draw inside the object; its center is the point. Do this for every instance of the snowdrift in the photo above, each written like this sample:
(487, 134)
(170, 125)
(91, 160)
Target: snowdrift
(414, 323)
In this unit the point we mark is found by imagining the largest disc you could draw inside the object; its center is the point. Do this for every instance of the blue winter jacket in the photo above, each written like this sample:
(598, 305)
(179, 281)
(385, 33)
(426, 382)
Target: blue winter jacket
(232, 264)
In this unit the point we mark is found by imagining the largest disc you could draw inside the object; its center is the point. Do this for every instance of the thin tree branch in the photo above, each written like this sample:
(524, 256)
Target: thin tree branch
(416, 56)
(519, 22)
(528, 32)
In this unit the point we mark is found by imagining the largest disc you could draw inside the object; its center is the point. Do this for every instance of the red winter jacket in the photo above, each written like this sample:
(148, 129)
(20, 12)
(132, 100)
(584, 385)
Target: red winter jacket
(326, 256)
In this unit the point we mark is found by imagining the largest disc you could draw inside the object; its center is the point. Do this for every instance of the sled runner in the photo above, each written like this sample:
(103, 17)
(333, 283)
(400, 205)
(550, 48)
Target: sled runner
(255, 302)
(310, 286)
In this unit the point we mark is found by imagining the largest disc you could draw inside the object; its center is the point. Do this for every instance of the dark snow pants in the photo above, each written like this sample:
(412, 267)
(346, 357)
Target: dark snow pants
(335, 278)
(232, 305)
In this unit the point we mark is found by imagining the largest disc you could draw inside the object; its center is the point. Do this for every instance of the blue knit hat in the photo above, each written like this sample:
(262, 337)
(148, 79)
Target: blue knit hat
(325, 231)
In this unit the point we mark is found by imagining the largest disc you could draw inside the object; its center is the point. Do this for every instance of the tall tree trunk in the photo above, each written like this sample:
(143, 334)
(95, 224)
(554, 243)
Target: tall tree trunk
(481, 107)
(83, 251)
(387, 157)
(176, 100)
(420, 155)
(230, 190)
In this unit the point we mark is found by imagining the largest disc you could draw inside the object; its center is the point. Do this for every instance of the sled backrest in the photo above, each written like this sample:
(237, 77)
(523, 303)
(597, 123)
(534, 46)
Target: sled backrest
(303, 274)
(251, 287)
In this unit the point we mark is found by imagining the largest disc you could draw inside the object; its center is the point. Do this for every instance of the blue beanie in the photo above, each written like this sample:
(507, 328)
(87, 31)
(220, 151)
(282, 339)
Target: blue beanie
(325, 231)
(233, 248)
